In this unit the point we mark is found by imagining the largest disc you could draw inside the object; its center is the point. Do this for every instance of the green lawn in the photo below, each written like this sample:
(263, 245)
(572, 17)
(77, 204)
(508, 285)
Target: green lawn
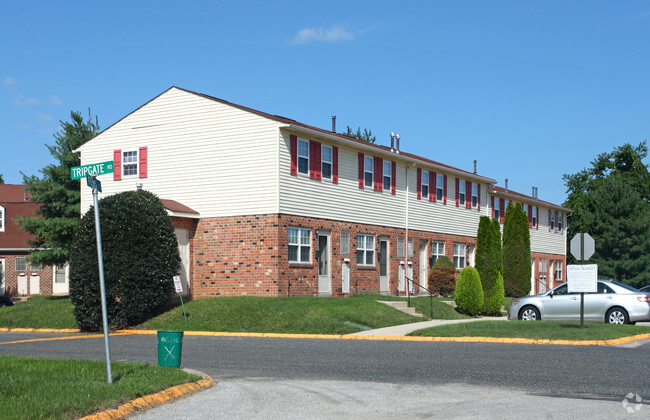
(61, 389)
(534, 330)
(39, 312)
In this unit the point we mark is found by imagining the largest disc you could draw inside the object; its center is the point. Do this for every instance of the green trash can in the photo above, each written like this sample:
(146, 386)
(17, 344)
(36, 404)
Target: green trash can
(170, 344)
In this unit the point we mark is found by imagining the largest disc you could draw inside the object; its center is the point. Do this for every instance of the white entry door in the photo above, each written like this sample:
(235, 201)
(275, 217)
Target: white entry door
(383, 266)
(400, 279)
(323, 258)
(183, 238)
(60, 284)
(35, 284)
(2, 276)
(424, 260)
(345, 272)
(22, 284)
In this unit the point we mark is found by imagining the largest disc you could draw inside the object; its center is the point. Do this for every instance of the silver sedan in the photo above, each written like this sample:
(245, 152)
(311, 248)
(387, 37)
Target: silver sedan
(614, 303)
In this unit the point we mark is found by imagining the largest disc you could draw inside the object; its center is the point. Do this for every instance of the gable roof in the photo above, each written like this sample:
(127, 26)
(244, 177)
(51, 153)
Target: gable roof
(523, 197)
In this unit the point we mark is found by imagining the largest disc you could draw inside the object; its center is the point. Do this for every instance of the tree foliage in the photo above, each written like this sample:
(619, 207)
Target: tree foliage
(488, 264)
(366, 135)
(2, 181)
(469, 292)
(609, 200)
(442, 277)
(140, 259)
(516, 251)
(53, 224)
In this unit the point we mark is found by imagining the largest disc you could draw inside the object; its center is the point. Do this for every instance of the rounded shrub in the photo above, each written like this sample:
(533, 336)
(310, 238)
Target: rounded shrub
(442, 277)
(140, 258)
(469, 292)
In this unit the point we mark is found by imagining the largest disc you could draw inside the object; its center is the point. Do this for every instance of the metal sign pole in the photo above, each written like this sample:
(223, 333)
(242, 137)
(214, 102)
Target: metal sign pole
(100, 260)
(582, 294)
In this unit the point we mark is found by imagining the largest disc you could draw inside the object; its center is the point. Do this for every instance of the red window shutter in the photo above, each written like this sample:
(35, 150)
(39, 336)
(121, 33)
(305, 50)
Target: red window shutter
(294, 154)
(361, 170)
(492, 205)
(379, 174)
(335, 165)
(393, 178)
(478, 189)
(314, 160)
(444, 190)
(457, 192)
(530, 216)
(142, 157)
(502, 210)
(117, 165)
(434, 176)
(468, 193)
(419, 181)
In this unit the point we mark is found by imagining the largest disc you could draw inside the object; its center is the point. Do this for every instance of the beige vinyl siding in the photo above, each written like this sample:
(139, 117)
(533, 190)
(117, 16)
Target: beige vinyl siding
(543, 241)
(213, 157)
(345, 201)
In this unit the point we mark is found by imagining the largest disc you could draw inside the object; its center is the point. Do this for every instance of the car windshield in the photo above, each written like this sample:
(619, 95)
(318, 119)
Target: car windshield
(625, 286)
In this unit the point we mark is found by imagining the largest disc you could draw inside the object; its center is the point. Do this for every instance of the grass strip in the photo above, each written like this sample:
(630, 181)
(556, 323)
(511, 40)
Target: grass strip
(540, 330)
(39, 312)
(63, 389)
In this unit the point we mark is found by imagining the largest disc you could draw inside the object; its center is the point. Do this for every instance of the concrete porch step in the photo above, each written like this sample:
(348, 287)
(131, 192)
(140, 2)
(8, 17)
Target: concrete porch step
(401, 306)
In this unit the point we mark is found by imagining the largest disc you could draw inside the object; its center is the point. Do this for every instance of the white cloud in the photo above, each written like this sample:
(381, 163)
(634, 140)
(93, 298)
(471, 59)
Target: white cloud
(335, 33)
(23, 101)
(44, 117)
(54, 99)
(10, 81)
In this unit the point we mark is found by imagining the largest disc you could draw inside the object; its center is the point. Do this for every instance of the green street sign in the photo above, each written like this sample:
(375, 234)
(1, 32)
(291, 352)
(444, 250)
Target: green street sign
(93, 183)
(95, 169)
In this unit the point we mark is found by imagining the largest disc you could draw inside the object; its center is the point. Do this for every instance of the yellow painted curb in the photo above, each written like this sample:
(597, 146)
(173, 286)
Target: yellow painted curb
(152, 400)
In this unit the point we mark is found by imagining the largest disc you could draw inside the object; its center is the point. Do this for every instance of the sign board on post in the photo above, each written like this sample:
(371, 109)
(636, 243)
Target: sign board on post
(582, 278)
(582, 246)
(78, 172)
(179, 289)
(93, 183)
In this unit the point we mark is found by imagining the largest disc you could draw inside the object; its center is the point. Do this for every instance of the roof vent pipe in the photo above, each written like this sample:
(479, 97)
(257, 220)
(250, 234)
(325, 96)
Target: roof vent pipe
(474, 165)
(397, 138)
(533, 193)
(334, 124)
(392, 141)
(506, 184)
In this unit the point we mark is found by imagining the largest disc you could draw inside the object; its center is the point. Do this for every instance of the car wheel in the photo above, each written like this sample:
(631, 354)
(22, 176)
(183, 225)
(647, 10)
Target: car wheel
(617, 316)
(529, 313)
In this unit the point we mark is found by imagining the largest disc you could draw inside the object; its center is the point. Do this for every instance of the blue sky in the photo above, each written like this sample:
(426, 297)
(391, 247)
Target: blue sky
(532, 90)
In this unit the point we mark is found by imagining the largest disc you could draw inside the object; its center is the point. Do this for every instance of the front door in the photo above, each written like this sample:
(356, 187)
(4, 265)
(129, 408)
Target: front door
(2, 276)
(423, 280)
(345, 272)
(323, 256)
(60, 285)
(183, 238)
(383, 266)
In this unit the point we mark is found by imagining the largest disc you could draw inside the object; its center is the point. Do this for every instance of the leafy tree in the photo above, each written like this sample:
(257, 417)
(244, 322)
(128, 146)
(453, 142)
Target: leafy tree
(2, 181)
(488, 264)
(516, 251)
(620, 224)
(469, 292)
(365, 136)
(442, 277)
(140, 258)
(56, 219)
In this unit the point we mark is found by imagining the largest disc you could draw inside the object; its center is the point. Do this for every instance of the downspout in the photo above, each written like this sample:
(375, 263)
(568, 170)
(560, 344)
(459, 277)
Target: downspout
(407, 292)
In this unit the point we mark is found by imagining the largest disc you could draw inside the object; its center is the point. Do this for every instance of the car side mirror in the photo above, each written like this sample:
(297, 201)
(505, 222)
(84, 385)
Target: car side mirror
(551, 293)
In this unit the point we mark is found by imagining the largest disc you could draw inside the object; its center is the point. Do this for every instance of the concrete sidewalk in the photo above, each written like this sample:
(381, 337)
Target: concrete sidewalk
(400, 330)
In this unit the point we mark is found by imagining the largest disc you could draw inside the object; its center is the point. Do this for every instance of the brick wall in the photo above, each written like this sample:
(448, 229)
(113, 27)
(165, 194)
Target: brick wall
(550, 281)
(45, 276)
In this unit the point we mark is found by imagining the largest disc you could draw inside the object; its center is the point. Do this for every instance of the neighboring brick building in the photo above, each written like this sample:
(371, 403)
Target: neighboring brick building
(264, 205)
(18, 277)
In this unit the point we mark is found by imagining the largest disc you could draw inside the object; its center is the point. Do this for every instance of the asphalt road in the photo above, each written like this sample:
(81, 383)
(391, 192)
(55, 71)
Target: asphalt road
(573, 374)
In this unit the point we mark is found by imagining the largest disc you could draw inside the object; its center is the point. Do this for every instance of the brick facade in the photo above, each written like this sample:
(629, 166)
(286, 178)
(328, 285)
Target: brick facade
(12, 277)
(544, 281)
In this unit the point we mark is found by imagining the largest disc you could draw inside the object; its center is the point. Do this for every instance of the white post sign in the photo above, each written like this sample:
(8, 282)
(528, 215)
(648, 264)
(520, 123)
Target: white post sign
(177, 284)
(582, 278)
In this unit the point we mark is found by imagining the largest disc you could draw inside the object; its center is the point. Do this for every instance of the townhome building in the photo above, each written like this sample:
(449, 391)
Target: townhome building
(264, 205)
(19, 277)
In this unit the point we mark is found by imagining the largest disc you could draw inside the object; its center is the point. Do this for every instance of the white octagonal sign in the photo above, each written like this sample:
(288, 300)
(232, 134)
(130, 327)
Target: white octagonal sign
(589, 245)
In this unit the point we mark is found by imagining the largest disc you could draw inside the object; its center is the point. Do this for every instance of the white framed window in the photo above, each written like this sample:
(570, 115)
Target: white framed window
(534, 216)
(2, 219)
(558, 270)
(299, 245)
(365, 249)
(440, 186)
(129, 163)
(459, 256)
(326, 162)
(437, 251)
(461, 193)
(303, 157)
(542, 265)
(425, 184)
(552, 221)
(388, 176)
(560, 217)
(497, 210)
(400, 247)
(475, 195)
(21, 263)
(345, 242)
(506, 203)
(367, 171)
